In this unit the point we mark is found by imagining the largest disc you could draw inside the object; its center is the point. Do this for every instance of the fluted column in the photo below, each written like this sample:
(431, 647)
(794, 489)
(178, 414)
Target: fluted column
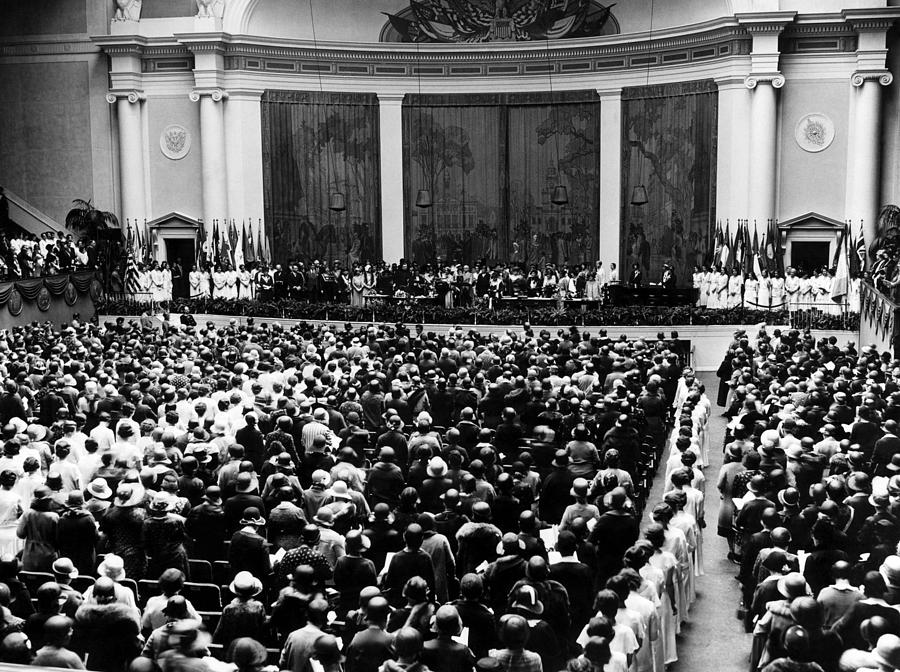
(212, 154)
(762, 186)
(131, 154)
(865, 159)
(390, 114)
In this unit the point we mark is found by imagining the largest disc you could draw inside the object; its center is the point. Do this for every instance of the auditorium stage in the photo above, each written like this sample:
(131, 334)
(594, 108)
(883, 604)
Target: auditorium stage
(708, 343)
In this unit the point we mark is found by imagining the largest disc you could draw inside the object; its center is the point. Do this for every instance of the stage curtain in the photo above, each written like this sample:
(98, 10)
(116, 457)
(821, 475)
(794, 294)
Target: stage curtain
(454, 148)
(315, 144)
(491, 162)
(669, 146)
(553, 145)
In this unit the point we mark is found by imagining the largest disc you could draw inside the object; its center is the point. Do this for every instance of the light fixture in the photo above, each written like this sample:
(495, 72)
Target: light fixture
(337, 202)
(560, 195)
(639, 195)
(423, 198)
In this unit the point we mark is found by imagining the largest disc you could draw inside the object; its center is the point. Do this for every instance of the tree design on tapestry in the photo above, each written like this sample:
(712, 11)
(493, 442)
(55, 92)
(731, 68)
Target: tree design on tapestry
(498, 20)
(670, 147)
(461, 225)
(541, 231)
(312, 149)
(491, 162)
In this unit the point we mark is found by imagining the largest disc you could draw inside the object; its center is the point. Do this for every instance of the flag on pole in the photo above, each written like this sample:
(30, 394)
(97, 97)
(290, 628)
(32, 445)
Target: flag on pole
(860, 248)
(250, 253)
(217, 250)
(233, 244)
(727, 257)
(717, 245)
(757, 262)
(771, 251)
(132, 286)
(842, 271)
(227, 252)
(200, 260)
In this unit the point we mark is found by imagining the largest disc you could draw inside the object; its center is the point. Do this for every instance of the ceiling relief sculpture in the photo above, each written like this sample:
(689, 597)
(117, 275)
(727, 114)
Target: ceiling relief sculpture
(470, 21)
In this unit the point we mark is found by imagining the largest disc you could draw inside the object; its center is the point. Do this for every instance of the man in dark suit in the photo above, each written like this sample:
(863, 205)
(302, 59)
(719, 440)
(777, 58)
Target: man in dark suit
(668, 277)
(576, 578)
(616, 530)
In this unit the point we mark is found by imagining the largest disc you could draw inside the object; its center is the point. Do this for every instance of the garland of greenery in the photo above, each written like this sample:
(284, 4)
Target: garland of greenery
(411, 311)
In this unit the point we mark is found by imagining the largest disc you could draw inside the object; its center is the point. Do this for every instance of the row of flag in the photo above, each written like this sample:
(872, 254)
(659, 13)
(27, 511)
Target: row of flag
(749, 253)
(232, 246)
(849, 259)
(226, 244)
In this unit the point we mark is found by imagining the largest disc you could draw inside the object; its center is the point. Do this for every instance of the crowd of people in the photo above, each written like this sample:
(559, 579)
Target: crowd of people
(794, 291)
(453, 284)
(27, 256)
(372, 499)
(810, 490)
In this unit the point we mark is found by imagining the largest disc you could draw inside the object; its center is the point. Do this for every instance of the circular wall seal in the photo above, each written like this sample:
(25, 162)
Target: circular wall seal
(14, 304)
(70, 294)
(43, 299)
(814, 132)
(175, 142)
(96, 290)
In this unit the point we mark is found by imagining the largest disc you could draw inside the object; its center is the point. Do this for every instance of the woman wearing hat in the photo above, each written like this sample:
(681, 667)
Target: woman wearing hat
(353, 572)
(732, 466)
(38, 527)
(244, 616)
(10, 510)
(123, 527)
(164, 535)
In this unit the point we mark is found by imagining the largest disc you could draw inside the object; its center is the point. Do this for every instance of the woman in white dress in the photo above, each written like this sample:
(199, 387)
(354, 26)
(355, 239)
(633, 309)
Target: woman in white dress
(735, 284)
(719, 289)
(592, 286)
(245, 283)
(751, 288)
(807, 292)
(832, 307)
(777, 285)
(764, 293)
(145, 285)
(792, 289)
(853, 300)
(665, 563)
(166, 281)
(219, 284)
(705, 282)
(156, 283)
(10, 510)
(231, 283)
(199, 282)
(696, 281)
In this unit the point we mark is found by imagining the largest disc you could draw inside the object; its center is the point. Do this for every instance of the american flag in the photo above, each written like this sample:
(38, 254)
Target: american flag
(132, 286)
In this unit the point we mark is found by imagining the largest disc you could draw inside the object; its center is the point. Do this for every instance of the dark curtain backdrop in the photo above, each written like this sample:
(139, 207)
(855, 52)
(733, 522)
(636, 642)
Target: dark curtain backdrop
(491, 163)
(668, 145)
(313, 145)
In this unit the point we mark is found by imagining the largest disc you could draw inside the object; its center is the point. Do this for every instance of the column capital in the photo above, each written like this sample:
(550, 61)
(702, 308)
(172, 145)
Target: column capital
(761, 23)
(216, 95)
(883, 77)
(132, 97)
(776, 79)
(875, 19)
(390, 98)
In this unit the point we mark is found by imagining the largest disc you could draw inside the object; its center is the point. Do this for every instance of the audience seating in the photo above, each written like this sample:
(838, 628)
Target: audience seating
(200, 571)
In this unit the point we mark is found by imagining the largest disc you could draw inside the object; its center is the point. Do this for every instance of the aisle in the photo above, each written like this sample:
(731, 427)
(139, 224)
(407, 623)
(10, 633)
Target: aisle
(713, 639)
